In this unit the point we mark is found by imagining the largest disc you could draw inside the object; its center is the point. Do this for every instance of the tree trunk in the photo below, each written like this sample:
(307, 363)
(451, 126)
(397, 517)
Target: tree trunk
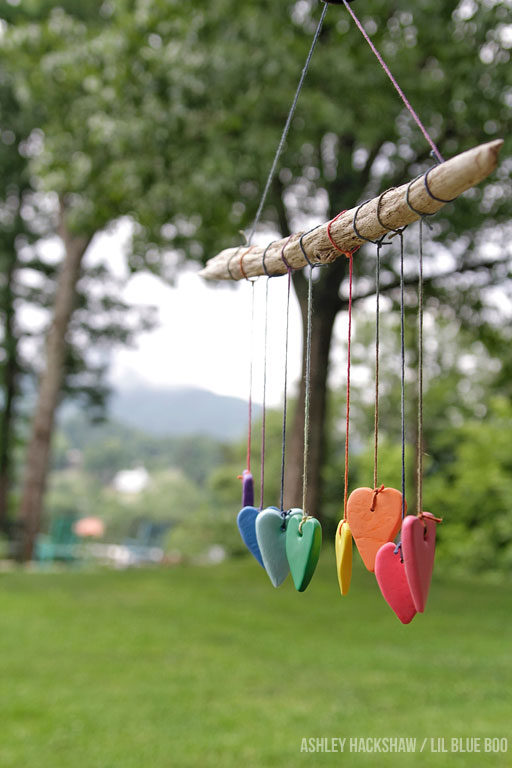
(326, 305)
(38, 451)
(11, 370)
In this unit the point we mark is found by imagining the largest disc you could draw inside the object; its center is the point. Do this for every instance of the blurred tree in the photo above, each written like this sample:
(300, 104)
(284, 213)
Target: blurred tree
(13, 183)
(204, 93)
(27, 288)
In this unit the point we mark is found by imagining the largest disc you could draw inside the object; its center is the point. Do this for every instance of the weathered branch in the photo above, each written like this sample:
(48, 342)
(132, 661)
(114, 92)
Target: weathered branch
(445, 181)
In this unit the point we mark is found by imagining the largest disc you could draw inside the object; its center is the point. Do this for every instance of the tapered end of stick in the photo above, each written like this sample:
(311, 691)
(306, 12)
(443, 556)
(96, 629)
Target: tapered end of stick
(493, 150)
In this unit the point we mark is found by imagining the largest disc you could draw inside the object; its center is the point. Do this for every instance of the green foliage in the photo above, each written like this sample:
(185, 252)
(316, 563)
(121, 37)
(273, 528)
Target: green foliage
(211, 89)
(472, 492)
(146, 110)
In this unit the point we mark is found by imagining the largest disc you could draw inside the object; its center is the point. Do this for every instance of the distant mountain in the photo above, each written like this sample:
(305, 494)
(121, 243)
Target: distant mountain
(180, 411)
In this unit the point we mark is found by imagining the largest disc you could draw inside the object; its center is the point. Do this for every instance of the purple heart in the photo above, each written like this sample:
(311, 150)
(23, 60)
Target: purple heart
(247, 489)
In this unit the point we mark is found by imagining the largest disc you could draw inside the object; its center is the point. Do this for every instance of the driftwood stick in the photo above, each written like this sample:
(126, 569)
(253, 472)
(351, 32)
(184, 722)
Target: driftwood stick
(445, 181)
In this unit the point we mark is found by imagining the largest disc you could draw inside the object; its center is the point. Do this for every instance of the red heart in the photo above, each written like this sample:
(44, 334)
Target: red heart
(418, 548)
(374, 517)
(391, 578)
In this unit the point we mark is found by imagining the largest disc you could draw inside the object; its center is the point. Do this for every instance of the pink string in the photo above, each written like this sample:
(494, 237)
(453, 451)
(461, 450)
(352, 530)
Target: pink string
(347, 420)
(395, 84)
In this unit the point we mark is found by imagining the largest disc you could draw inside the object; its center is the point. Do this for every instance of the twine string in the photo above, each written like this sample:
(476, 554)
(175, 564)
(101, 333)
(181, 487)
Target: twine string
(264, 404)
(402, 95)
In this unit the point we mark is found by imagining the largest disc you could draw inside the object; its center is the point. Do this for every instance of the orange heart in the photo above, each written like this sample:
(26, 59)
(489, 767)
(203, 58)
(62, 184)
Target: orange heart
(374, 517)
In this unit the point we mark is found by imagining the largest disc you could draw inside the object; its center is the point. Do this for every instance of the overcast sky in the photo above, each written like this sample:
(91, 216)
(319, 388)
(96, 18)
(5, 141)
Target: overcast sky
(203, 338)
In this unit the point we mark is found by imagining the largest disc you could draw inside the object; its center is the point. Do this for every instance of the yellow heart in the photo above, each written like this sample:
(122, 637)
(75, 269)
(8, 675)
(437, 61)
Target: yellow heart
(343, 548)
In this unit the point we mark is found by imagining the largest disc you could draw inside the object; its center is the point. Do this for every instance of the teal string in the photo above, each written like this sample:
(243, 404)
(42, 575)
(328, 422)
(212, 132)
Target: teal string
(307, 392)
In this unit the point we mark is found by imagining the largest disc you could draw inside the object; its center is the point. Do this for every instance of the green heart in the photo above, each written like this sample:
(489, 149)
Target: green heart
(303, 543)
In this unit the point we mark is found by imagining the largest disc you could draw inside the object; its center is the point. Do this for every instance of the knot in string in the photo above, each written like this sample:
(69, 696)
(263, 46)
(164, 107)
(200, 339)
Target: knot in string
(376, 492)
(344, 251)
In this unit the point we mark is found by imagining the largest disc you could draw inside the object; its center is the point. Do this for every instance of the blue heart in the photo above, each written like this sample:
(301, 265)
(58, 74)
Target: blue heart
(246, 521)
(271, 536)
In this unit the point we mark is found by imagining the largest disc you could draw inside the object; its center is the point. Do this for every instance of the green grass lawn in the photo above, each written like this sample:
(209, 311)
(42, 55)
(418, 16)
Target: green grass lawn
(213, 667)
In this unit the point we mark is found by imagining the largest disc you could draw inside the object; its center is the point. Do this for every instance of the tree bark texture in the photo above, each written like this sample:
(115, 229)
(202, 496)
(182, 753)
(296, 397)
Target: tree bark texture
(38, 450)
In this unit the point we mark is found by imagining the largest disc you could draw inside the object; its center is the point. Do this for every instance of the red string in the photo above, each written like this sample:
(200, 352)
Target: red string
(243, 255)
(351, 265)
(288, 267)
(249, 431)
(394, 82)
(348, 254)
(249, 436)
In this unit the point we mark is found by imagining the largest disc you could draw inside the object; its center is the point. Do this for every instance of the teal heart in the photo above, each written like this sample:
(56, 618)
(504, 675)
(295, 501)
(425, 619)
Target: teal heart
(271, 527)
(303, 544)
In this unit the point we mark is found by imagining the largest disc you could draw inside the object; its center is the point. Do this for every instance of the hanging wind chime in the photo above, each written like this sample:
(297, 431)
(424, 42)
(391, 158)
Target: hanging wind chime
(289, 540)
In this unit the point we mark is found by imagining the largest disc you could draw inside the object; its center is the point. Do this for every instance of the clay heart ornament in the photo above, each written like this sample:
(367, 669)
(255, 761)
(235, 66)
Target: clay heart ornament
(247, 488)
(246, 522)
(271, 536)
(303, 544)
(418, 548)
(391, 578)
(343, 549)
(374, 517)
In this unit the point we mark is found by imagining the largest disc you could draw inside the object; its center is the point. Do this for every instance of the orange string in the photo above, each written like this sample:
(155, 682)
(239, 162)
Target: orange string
(424, 516)
(351, 265)
(241, 260)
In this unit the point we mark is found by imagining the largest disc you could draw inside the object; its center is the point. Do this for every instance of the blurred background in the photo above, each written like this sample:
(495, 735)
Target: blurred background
(135, 140)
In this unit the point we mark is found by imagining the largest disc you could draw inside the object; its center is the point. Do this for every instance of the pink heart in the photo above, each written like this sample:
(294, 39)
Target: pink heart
(418, 548)
(391, 578)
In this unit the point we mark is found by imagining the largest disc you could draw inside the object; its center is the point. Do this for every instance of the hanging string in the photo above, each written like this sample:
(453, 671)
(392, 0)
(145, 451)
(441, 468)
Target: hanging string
(347, 424)
(379, 243)
(285, 398)
(264, 405)
(251, 355)
(419, 459)
(377, 356)
(286, 128)
(307, 393)
(402, 367)
(386, 69)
